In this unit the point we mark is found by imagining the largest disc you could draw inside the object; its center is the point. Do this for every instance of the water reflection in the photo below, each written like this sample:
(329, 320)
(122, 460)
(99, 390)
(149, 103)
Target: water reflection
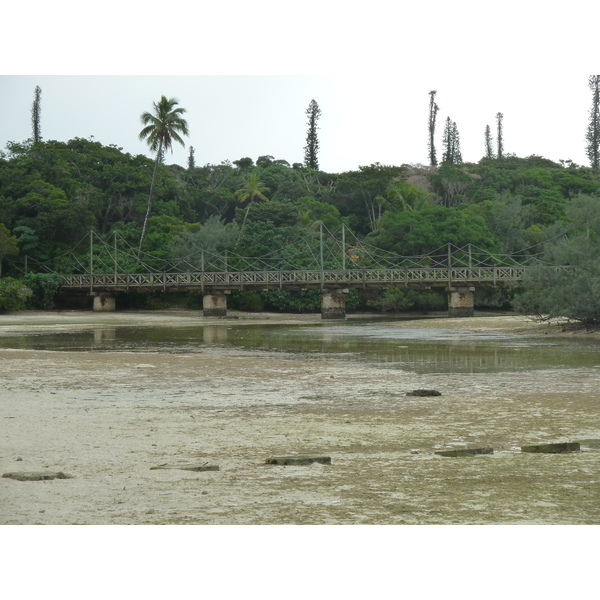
(214, 334)
(102, 335)
(424, 350)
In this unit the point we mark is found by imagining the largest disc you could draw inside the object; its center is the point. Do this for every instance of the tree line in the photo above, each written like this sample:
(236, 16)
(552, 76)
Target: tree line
(52, 193)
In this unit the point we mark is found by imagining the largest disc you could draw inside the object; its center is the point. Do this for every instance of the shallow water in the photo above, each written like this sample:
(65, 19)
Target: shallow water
(389, 344)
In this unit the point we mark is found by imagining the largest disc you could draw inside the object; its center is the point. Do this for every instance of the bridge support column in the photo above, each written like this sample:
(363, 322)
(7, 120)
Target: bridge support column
(215, 304)
(333, 304)
(104, 302)
(461, 302)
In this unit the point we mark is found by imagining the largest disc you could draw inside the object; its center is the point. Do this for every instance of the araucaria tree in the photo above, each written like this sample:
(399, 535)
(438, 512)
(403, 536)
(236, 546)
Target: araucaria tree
(162, 127)
(500, 135)
(451, 143)
(191, 159)
(36, 112)
(311, 150)
(489, 150)
(593, 131)
(433, 111)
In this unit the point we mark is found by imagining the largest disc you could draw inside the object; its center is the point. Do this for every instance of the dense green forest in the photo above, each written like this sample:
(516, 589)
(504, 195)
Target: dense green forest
(52, 194)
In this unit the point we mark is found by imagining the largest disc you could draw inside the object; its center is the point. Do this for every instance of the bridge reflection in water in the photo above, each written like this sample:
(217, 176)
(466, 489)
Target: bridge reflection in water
(388, 344)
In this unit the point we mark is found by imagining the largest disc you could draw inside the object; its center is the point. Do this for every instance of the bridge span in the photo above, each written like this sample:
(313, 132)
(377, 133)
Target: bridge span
(460, 283)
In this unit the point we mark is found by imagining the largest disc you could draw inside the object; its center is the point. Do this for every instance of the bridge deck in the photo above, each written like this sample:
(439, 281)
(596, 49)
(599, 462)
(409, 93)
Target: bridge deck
(293, 280)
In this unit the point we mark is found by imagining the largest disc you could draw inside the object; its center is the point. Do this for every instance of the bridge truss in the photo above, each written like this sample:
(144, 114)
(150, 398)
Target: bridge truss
(320, 258)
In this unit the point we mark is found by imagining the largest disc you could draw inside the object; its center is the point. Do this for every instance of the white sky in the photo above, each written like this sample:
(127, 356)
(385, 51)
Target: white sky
(364, 120)
(246, 75)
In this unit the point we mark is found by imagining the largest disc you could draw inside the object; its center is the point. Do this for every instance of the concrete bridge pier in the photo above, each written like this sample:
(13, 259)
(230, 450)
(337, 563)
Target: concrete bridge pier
(333, 303)
(214, 304)
(461, 302)
(104, 302)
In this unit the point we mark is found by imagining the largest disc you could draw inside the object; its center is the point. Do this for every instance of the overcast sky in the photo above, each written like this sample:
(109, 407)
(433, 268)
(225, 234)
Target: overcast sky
(246, 75)
(364, 119)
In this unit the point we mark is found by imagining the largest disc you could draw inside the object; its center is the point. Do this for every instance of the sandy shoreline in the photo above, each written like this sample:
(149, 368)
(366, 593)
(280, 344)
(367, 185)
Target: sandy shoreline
(107, 418)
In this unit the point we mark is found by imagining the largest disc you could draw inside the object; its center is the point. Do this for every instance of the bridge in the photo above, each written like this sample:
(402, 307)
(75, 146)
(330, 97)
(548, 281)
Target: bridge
(325, 262)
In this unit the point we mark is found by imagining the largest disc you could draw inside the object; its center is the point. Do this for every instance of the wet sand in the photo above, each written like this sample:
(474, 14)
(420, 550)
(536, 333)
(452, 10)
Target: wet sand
(108, 418)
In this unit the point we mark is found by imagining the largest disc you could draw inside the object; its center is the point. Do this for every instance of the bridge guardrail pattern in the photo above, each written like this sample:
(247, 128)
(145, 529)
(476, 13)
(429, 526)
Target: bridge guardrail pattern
(231, 280)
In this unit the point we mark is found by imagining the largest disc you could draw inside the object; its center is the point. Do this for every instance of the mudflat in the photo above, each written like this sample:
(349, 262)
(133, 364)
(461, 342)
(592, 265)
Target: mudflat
(107, 418)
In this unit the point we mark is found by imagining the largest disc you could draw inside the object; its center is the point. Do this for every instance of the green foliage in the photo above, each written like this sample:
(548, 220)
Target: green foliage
(489, 151)
(451, 144)
(261, 238)
(396, 299)
(593, 130)
(253, 189)
(499, 135)
(574, 292)
(509, 221)
(27, 239)
(433, 111)
(52, 193)
(162, 128)
(311, 211)
(244, 163)
(248, 301)
(212, 237)
(280, 213)
(44, 287)
(421, 232)
(311, 150)
(290, 301)
(8, 244)
(451, 184)
(13, 294)
(357, 194)
(36, 115)
(402, 195)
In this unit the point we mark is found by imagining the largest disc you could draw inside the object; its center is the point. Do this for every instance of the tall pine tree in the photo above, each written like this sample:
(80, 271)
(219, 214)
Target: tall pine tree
(489, 150)
(593, 131)
(36, 114)
(451, 143)
(500, 135)
(311, 150)
(433, 110)
(191, 158)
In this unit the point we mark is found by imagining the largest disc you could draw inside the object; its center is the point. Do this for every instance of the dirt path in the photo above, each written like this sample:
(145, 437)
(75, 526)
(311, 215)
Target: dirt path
(107, 418)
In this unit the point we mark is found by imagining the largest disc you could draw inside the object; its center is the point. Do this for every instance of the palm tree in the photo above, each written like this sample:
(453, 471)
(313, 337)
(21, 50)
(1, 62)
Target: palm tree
(253, 188)
(161, 127)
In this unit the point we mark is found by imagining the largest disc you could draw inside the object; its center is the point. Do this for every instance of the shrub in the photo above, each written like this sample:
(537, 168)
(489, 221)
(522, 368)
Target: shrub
(13, 294)
(44, 287)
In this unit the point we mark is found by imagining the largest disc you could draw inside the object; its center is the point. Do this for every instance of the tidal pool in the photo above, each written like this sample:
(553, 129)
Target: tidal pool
(382, 343)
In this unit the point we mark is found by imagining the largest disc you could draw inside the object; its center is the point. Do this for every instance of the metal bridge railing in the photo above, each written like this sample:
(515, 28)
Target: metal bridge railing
(294, 279)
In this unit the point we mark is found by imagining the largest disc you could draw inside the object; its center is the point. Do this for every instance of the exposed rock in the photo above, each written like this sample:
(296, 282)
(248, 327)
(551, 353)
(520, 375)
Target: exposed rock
(188, 467)
(37, 475)
(564, 448)
(466, 452)
(589, 443)
(424, 393)
(298, 460)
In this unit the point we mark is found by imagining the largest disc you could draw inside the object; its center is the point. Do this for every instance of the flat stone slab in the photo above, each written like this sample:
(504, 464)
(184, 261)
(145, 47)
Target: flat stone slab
(187, 467)
(424, 393)
(589, 443)
(563, 448)
(37, 475)
(466, 452)
(298, 460)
